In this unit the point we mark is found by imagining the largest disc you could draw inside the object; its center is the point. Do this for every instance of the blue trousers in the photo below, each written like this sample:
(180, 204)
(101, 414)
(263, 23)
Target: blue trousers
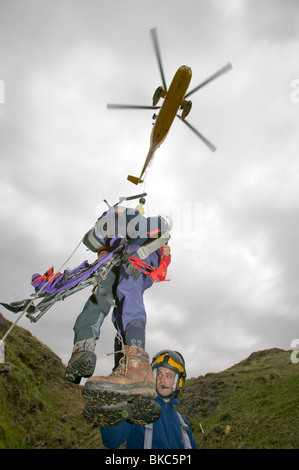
(129, 315)
(95, 310)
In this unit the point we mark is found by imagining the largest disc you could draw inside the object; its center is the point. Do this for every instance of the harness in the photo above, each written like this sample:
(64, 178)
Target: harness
(148, 434)
(137, 265)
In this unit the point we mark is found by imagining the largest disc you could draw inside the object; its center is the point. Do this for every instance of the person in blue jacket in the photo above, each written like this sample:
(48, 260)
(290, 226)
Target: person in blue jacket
(171, 430)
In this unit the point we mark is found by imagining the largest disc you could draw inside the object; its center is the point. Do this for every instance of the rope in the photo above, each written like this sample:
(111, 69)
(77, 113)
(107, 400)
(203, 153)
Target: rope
(37, 294)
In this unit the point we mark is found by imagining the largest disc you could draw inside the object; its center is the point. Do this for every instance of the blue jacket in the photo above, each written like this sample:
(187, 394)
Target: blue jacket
(167, 433)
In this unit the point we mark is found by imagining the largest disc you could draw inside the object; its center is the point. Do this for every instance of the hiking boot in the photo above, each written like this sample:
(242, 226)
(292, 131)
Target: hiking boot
(82, 362)
(141, 412)
(132, 378)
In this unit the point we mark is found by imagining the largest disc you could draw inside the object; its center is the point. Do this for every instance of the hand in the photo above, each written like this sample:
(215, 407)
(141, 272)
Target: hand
(165, 250)
(120, 209)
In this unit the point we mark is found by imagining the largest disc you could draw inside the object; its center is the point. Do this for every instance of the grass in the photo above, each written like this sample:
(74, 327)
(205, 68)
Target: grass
(252, 405)
(38, 408)
(255, 405)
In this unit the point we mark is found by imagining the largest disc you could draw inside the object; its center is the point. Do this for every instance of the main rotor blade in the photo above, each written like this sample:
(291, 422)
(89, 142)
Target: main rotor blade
(204, 139)
(157, 50)
(224, 69)
(130, 106)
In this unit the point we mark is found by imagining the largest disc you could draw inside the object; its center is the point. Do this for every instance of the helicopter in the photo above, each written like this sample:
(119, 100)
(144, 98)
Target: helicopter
(175, 98)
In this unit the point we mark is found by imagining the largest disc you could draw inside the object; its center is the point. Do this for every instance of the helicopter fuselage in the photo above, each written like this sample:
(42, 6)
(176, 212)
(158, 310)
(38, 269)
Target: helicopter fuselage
(174, 99)
(172, 102)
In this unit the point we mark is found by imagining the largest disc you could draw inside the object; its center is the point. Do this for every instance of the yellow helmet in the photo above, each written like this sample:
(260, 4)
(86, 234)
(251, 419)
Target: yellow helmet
(171, 360)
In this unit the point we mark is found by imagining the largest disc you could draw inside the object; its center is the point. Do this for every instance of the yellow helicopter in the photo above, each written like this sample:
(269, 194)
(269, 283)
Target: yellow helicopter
(174, 99)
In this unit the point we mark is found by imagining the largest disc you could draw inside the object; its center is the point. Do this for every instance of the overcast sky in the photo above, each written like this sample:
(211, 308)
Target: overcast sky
(234, 275)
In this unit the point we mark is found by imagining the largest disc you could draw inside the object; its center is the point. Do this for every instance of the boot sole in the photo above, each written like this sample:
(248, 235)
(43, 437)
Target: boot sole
(103, 391)
(144, 411)
(140, 411)
(82, 367)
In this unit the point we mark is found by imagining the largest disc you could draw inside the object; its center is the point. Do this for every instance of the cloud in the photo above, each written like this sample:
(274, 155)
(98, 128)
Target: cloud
(234, 268)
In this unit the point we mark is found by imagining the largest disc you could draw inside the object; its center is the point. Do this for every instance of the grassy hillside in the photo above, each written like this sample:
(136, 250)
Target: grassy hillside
(38, 408)
(253, 404)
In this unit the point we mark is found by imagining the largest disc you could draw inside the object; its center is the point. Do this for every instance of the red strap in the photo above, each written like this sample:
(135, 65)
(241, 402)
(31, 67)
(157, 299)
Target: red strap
(142, 266)
(160, 273)
(156, 275)
(48, 275)
(153, 232)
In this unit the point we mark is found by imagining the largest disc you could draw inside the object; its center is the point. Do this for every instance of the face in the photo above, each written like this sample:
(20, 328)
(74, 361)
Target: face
(102, 253)
(166, 378)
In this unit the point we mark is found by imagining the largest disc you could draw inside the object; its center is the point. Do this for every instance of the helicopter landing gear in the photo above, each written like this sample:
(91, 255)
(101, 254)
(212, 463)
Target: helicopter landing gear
(186, 107)
(160, 92)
